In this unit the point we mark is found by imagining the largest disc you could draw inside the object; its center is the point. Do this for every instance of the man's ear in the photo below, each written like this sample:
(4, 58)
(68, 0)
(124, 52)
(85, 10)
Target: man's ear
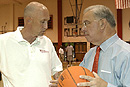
(28, 20)
(102, 23)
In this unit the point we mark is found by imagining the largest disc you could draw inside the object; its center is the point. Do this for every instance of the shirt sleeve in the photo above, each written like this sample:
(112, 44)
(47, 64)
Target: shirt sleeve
(56, 63)
(122, 70)
(83, 63)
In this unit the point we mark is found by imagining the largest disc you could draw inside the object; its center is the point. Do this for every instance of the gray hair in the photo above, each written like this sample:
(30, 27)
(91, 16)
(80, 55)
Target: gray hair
(101, 12)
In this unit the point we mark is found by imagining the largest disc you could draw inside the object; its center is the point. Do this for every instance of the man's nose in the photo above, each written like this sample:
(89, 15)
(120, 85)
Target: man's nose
(83, 29)
(45, 25)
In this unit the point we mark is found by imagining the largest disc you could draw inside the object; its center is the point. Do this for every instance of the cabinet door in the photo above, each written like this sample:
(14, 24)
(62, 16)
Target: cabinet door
(80, 50)
(77, 47)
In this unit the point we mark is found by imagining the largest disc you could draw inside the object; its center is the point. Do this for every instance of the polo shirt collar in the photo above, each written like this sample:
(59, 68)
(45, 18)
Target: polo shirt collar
(109, 42)
(18, 35)
(20, 38)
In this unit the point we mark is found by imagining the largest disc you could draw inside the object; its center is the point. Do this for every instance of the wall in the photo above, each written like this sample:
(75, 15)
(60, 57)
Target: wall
(126, 19)
(11, 12)
(6, 17)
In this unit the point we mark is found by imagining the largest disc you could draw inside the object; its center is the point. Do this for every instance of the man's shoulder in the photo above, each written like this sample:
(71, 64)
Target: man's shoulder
(91, 50)
(45, 38)
(5, 35)
(124, 45)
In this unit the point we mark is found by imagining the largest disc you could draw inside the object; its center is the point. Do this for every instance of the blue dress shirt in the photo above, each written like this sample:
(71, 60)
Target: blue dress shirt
(114, 62)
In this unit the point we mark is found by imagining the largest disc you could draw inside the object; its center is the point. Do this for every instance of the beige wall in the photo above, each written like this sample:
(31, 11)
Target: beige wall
(126, 29)
(6, 13)
(9, 13)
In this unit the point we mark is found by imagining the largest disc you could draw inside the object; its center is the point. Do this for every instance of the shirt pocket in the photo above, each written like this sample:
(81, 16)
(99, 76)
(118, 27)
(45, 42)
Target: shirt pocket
(106, 75)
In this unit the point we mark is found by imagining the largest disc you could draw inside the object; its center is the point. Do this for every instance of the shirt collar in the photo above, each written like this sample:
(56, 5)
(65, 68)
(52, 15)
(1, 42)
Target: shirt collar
(20, 38)
(18, 35)
(109, 42)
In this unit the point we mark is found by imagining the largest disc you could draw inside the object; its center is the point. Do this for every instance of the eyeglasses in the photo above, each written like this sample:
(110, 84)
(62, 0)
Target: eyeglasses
(86, 23)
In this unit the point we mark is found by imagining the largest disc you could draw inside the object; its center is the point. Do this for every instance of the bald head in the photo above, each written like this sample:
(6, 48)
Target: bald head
(32, 8)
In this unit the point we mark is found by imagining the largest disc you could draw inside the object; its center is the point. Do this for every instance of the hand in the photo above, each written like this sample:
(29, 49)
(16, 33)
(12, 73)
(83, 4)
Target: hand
(94, 82)
(54, 83)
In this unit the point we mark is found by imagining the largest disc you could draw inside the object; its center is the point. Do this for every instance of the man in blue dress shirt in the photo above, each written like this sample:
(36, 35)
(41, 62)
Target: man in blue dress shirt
(114, 59)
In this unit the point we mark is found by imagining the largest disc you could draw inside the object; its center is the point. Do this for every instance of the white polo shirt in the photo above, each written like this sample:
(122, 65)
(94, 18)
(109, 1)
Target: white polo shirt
(27, 65)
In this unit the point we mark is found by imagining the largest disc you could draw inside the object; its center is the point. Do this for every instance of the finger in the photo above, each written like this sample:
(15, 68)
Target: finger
(95, 75)
(54, 81)
(89, 78)
(53, 85)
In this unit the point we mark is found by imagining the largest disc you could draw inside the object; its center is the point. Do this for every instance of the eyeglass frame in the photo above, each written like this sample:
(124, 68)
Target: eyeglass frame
(85, 25)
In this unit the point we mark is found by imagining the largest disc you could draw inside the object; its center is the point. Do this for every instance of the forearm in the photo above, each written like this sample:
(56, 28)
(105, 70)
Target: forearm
(56, 76)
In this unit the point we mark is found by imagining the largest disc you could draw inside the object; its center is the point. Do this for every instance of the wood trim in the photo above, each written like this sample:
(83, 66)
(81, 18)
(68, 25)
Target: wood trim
(119, 22)
(59, 7)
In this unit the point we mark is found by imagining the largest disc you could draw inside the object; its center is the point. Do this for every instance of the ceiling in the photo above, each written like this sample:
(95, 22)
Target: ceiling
(12, 1)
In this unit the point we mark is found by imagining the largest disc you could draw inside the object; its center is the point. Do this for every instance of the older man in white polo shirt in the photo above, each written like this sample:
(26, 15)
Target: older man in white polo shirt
(27, 58)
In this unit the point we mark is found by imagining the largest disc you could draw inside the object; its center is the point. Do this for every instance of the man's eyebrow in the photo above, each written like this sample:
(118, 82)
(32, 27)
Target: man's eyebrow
(86, 21)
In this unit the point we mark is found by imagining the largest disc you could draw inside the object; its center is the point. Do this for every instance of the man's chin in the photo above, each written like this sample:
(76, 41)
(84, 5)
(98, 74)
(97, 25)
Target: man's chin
(41, 34)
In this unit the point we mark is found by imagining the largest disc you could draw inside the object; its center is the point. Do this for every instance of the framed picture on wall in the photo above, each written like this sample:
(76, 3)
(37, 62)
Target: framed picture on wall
(50, 22)
(20, 21)
(74, 32)
(66, 32)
